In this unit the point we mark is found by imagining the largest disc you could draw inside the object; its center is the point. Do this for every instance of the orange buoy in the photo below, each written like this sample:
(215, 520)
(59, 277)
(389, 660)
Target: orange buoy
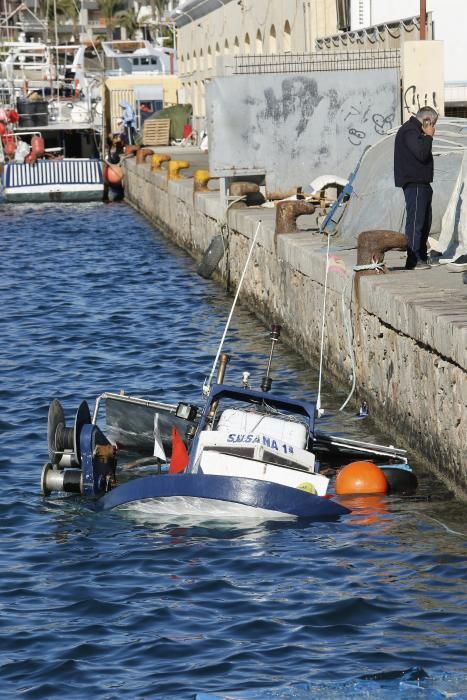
(9, 145)
(113, 174)
(13, 116)
(360, 477)
(37, 145)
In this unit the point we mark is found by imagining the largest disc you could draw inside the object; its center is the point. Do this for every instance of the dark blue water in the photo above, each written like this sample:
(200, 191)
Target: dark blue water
(118, 606)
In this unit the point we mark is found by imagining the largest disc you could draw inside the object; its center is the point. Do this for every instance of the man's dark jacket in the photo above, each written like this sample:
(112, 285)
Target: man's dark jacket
(413, 161)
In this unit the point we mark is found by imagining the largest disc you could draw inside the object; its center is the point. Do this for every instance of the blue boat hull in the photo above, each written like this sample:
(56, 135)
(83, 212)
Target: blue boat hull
(259, 495)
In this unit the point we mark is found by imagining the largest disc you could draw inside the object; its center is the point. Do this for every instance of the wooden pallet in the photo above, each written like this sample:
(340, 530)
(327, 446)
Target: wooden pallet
(156, 132)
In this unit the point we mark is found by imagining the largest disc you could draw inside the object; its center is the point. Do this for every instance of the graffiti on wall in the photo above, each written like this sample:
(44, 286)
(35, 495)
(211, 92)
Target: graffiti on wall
(297, 127)
(368, 122)
(414, 99)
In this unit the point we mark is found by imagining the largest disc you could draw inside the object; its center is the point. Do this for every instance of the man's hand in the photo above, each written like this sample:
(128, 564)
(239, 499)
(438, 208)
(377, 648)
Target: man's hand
(428, 128)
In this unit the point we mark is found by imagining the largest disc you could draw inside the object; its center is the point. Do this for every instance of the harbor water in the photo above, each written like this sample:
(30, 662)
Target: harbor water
(127, 604)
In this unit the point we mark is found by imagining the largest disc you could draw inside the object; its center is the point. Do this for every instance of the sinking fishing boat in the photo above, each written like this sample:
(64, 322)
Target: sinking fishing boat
(245, 452)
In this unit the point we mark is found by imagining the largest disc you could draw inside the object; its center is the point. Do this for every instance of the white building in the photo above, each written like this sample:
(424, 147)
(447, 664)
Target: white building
(448, 19)
(211, 33)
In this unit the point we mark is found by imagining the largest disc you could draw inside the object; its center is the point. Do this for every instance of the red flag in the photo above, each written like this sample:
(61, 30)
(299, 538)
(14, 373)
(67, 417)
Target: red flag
(179, 458)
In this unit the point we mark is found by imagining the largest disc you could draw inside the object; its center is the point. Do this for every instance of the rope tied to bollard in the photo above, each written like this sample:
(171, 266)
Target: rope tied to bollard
(375, 265)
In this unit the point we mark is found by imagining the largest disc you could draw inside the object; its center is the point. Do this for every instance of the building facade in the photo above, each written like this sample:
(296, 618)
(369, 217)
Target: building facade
(211, 33)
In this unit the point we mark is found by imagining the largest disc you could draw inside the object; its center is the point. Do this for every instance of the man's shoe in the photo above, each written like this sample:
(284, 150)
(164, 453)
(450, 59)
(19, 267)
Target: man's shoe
(459, 265)
(420, 266)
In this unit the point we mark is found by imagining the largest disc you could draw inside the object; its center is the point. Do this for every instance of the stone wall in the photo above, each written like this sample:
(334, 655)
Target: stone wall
(406, 340)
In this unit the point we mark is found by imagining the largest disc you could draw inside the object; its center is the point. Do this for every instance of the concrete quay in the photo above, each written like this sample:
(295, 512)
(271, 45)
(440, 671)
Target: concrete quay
(405, 332)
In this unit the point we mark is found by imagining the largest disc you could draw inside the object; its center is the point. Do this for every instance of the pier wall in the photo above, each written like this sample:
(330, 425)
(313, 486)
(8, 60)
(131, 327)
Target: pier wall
(405, 335)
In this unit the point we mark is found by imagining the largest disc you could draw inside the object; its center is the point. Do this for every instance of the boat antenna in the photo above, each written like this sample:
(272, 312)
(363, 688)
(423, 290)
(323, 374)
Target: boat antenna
(207, 383)
(319, 410)
(275, 334)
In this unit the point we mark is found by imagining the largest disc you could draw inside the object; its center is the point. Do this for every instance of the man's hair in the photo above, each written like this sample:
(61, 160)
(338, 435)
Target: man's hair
(427, 113)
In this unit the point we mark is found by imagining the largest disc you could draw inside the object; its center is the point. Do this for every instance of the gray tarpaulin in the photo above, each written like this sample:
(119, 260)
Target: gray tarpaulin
(377, 204)
(453, 238)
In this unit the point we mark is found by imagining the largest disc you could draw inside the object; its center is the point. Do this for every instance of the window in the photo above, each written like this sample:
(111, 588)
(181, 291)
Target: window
(287, 38)
(272, 40)
(226, 47)
(247, 44)
(236, 46)
(259, 42)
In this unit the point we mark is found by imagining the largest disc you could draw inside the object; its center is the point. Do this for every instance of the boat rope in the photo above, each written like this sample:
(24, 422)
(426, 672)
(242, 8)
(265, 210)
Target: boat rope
(448, 529)
(375, 265)
(207, 383)
(347, 316)
(225, 230)
(319, 410)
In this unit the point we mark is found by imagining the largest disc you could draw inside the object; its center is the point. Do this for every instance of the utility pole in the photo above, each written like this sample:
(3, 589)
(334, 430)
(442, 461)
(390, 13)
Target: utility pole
(422, 20)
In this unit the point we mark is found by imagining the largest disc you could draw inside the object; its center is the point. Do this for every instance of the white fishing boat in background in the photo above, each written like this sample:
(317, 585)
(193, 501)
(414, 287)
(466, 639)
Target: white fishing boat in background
(67, 180)
(50, 151)
(51, 125)
(137, 57)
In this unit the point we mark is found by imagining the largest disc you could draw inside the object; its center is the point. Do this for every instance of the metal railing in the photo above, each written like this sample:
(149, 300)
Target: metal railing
(309, 63)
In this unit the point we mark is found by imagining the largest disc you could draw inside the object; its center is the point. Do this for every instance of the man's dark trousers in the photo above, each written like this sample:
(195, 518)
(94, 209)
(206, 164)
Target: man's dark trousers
(418, 222)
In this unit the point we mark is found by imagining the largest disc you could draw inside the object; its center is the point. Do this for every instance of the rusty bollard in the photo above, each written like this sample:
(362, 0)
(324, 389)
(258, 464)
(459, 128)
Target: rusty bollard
(130, 150)
(174, 168)
(240, 189)
(201, 179)
(372, 245)
(142, 154)
(288, 212)
(157, 160)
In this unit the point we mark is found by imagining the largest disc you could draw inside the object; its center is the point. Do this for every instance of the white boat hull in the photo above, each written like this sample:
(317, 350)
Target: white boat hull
(67, 180)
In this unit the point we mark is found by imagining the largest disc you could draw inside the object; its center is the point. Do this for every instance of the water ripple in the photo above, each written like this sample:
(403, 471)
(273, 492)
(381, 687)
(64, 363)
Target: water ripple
(122, 605)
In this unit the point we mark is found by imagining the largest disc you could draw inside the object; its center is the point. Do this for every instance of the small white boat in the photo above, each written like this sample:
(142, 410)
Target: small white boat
(58, 162)
(67, 180)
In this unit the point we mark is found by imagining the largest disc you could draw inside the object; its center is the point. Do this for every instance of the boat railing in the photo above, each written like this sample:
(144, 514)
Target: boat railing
(130, 399)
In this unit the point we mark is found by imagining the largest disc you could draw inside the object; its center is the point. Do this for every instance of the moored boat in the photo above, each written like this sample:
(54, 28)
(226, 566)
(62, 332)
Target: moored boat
(67, 180)
(247, 451)
(57, 162)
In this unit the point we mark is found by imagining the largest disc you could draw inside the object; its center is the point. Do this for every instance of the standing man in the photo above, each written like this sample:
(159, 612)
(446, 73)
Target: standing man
(129, 123)
(413, 171)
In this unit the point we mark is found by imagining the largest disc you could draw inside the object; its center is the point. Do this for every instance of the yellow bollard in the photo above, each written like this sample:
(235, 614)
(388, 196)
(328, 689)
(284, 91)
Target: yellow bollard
(201, 179)
(157, 160)
(174, 169)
